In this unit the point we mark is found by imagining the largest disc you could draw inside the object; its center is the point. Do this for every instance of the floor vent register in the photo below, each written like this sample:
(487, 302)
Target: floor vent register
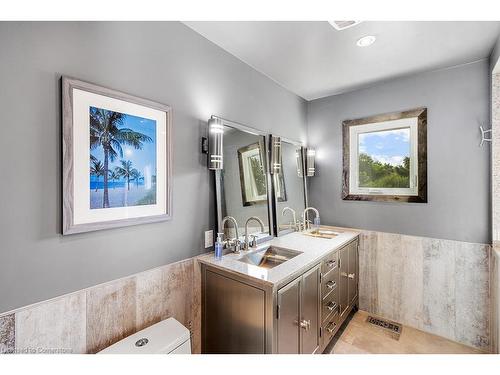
(393, 327)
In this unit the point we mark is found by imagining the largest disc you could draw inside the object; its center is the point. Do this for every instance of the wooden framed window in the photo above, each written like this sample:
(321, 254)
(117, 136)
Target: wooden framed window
(385, 157)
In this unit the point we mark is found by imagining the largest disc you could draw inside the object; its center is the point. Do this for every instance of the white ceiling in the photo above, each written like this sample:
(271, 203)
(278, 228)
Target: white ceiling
(314, 60)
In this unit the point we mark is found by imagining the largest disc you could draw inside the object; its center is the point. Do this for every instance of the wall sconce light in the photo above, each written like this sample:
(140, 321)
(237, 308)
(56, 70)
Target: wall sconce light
(215, 137)
(310, 158)
(276, 156)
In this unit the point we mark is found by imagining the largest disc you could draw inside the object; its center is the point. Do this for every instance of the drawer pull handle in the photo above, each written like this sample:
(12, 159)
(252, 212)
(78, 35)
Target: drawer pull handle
(351, 275)
(331, 306)
(331, 327)
(331, 284)
(331, 263)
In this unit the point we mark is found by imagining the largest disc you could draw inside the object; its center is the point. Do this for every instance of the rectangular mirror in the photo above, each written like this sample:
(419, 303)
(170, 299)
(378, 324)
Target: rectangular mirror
(242, 188)
(289, 187)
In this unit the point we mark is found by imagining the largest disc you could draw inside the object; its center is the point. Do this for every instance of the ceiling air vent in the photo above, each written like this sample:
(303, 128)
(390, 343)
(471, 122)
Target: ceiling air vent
(342, 25)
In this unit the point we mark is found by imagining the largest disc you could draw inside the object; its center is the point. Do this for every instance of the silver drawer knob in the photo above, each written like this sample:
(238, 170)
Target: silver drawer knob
(331, 284)
(305, 324)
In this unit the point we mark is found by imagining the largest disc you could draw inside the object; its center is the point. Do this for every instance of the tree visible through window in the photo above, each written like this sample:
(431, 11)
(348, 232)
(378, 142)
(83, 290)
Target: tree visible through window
(384, 159)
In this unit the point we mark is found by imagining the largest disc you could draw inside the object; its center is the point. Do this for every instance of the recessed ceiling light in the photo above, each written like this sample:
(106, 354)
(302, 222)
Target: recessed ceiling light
(366, 41)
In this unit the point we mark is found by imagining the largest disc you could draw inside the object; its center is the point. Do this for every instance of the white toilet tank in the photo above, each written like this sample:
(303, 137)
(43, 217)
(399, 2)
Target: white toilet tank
(166, 337)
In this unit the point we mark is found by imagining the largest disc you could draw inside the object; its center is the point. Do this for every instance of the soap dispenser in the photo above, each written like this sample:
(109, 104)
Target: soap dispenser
(219, 246)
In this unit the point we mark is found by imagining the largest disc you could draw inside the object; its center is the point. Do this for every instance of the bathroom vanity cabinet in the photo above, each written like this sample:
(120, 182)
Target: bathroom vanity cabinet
(300, 314)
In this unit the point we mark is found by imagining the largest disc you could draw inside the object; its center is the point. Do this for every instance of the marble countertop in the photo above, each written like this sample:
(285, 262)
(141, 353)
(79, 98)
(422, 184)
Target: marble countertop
(312, 248)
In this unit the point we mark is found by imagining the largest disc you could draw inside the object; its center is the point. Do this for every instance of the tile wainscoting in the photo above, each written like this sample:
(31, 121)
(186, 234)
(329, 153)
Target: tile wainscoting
(495, 156)
(437, 286)
(92, 319)
(495, 202)
(495, 297)
(7, 334)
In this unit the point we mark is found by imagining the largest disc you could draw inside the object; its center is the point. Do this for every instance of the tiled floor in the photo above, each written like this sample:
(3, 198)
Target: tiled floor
(360, 337)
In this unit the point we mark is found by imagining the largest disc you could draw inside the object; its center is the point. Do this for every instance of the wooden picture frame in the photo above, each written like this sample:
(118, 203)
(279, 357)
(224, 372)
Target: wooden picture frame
(78, 213)
(421, 186)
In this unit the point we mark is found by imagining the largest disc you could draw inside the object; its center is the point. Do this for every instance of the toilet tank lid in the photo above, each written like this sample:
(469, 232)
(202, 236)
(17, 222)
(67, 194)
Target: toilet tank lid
(162, 337)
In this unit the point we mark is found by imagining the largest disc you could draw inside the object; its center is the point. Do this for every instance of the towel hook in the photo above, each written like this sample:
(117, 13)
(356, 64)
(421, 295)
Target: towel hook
(483, 135)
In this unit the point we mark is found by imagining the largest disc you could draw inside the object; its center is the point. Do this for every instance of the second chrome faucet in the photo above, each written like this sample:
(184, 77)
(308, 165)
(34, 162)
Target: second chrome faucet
(297, 224)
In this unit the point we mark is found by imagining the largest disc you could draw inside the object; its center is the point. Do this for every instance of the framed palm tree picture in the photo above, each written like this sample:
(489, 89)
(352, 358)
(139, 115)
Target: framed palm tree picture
(117, 158)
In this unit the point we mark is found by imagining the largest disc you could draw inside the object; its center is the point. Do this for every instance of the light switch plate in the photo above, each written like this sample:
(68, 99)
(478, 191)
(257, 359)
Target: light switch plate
(209, 238)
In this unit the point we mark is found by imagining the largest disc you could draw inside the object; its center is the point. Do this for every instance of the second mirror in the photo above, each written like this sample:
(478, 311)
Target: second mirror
(290, 194)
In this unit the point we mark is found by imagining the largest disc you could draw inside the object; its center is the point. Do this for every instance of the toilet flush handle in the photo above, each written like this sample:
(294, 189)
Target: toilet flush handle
(141, 342)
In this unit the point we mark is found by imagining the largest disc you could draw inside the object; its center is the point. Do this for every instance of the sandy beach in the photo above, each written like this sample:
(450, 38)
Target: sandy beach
(120, 196)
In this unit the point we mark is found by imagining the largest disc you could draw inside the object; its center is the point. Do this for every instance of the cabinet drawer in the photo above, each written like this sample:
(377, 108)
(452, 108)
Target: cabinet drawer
(330, 328)
(329, 305)
(329, 283)
(330, 263)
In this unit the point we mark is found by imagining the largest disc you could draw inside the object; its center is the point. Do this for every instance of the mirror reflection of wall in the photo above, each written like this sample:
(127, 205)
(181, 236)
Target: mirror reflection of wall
(289, 188)
(244, 182)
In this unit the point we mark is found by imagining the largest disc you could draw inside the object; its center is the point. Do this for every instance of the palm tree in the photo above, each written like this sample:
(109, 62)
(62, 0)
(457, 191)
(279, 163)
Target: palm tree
(126, 171)
(105, 133)
(136, 176)
(97, 169)
(114, 175)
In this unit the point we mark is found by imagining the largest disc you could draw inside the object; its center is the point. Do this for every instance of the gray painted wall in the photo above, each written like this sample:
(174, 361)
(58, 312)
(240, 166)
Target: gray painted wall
(162, 61)
(458, 170)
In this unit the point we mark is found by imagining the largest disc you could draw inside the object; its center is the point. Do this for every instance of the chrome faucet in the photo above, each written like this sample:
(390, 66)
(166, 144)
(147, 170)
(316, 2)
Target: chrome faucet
(254, 242)
(294, 215)
(307, 222)
(235, 241)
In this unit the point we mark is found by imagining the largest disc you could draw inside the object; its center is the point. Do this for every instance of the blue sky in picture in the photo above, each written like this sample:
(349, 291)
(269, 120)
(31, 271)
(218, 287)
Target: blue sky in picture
(141, 159)
(388, 146)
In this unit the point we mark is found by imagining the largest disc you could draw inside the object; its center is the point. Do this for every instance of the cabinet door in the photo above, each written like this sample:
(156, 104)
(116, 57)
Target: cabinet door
(288, 318)
(234, 315)
(310, 304)
(343, 277)
(352, 272)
